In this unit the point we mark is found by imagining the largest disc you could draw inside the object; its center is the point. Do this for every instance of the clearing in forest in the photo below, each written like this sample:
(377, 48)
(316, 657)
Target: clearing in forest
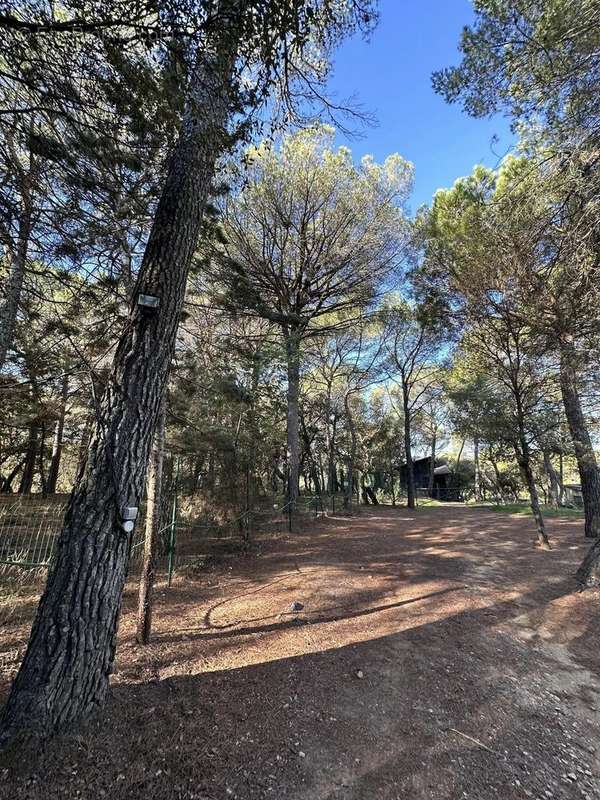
(436, 654)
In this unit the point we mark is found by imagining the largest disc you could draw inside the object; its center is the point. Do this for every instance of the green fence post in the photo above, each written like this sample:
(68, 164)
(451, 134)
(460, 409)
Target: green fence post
(172, 534)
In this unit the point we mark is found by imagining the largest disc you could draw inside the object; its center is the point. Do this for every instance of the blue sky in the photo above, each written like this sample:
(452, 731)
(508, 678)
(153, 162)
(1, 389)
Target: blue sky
(391, 77)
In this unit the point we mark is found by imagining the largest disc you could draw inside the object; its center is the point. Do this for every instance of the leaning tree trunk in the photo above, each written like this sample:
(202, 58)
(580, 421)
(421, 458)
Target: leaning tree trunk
(524, 460)
(292, 343)
(6, 484)
(410, 472)
(525, 464)
(588, 573)
(65, 672)
(584, 450)
(153, 508)
(57, 440)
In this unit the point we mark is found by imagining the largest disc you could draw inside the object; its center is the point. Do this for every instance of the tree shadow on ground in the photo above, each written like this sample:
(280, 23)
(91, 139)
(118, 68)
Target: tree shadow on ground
(376, 701)
(385, 718)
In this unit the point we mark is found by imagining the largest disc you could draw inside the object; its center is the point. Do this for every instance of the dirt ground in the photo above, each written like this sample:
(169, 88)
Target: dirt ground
(437, 654)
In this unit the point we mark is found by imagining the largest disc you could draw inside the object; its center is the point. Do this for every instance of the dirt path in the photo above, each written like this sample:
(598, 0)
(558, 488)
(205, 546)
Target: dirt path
(437, 655)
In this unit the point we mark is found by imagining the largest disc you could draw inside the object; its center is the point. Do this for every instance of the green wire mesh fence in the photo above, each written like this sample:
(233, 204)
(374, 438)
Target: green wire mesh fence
(30, 526)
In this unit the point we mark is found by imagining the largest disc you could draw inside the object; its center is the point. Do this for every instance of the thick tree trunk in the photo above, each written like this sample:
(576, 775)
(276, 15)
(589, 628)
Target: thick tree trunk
(292, 344)
(57, 440)
(588, 573)
(64, 675)
(584, 451)
(153, 517)
(410, 473)
(26, 484)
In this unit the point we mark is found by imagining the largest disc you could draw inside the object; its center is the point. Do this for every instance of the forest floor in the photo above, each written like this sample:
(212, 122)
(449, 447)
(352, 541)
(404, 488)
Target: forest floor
(438, 654)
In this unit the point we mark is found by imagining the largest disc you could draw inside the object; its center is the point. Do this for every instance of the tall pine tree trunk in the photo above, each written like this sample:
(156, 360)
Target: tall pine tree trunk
(153, 508)
(477, 470)
(432, 467)
(584, 451)
(410, 472)
(9, 308)
(553, 485)
(292, 343)
(312, 465)
(26, 484)
(65, 672)
(331, 477)
(561, 479)
(351, 454)
(57, 440)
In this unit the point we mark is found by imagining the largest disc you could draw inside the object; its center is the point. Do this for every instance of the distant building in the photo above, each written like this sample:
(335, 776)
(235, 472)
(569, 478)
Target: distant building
(572, 495)
(442, 479)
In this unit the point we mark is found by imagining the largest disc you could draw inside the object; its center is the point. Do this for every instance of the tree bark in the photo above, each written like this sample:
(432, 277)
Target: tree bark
(553, 483)
(524, 460)
(28, 475)
(499, 485)
(64, 675)
(392, 484)
(588, 573)
(6, 486)
(561, 479)
(351, 455)
(410, 474)
(9, 308)
(525, 464)
(477, 470)
(153, 517)
(432, 466)
(58, 438)
(313, 472)
(584, 451)
(292, 343)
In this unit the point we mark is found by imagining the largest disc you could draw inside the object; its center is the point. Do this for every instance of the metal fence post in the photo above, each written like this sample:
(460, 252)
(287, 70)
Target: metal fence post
(172, 534)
